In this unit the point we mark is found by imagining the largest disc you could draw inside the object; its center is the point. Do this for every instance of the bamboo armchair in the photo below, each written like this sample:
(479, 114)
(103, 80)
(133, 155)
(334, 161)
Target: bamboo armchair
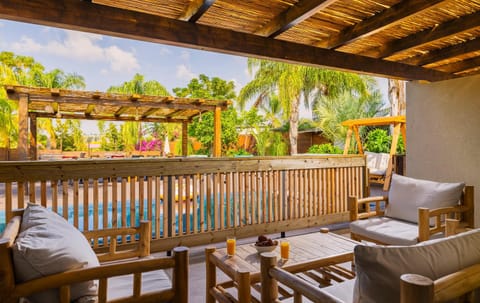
(359, 209)
(127, 261)
(459, 285)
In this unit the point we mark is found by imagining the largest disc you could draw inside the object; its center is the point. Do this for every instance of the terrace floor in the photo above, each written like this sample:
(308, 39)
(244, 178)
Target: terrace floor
(197, 256)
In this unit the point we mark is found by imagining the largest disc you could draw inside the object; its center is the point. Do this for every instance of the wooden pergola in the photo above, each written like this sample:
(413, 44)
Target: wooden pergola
(35, 102)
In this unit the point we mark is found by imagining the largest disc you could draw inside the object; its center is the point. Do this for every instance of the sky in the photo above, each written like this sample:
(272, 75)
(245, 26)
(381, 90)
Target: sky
(105, 61)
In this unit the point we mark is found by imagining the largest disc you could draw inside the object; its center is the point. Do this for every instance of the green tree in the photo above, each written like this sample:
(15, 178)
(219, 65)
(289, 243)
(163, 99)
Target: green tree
(202, 125)
(70, 135)
(132, 131)
(292, 83)
(332, 112)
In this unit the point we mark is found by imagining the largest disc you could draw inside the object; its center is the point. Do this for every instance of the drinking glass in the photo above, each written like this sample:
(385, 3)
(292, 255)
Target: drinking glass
(284, 249)
(231, 243)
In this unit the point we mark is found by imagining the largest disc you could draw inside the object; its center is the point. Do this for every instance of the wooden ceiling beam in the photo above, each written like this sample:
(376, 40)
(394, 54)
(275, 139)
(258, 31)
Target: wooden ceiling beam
(380, 21)
(295, 14)
(90, 109)
(445, 53)
(460, 66)
(441, 31)
(90, 17)
(120, 111)
(195, 10)
(149, 112)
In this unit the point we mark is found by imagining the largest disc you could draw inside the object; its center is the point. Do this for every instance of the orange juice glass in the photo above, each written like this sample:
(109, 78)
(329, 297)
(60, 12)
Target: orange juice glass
(284, 249)
(231, 243)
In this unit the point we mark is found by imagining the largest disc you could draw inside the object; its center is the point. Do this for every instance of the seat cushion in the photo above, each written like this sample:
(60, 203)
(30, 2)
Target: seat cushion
(48, 244)
(406, 195)
(152, 281)
(386, 230)
(379, 267)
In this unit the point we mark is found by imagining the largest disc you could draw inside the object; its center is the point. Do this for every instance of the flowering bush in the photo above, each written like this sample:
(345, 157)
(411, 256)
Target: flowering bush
(151, 145)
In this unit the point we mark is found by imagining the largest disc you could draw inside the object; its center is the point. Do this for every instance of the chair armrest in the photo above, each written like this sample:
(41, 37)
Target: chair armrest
(58, 280)
(440, 215)
(108, 251)
(354, 203)
(417, 288)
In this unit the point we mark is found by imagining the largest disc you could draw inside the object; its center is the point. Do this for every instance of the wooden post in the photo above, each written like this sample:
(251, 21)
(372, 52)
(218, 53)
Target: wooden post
(7, 279)
(403, 129)
(217, 132)
(23, 127)
(33, 137)
(269, 285)
(415, 288)
(184, 138)
(145, 237)
(423, 224)
(468, 201)
(210, 275)
(451, 226)
(358, 139)
(180, 274)
(347, 141)
(244, 291)
(393, 150)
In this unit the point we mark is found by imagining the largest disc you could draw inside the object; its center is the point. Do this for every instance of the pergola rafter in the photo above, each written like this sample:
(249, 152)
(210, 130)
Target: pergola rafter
(51, 103)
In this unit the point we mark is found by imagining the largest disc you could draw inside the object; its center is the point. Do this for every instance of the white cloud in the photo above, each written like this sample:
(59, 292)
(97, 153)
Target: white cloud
(82, 47)
(164, 51)
(2, 24)
(183, 72)
(185, 55)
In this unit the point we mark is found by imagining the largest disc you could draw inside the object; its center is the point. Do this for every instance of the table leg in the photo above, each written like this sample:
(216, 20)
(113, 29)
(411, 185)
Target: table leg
(243, 280)
(211, 275)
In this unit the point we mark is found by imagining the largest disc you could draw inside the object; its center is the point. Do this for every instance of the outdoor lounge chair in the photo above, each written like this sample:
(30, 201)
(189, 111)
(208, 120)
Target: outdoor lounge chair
(377, 164)
(414, 211)
(45, 259)
(438, 270)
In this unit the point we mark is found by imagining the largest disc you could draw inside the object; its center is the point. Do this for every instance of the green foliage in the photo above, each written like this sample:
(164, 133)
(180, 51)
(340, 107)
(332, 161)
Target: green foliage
(326, 148)
(202, 125)
(331, 112)
(111, 140)
(237, 152)
(269, 143)
(206, 88)
(378, 141)
(70, 135)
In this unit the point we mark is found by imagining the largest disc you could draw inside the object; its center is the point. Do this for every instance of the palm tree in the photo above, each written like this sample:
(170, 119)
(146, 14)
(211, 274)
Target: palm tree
(292, 83)
(132, 131)
(333, 111)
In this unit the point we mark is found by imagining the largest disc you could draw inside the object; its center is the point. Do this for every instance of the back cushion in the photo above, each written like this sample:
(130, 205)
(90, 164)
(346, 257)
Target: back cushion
(406, 195)
(48, 244)
(379, 267)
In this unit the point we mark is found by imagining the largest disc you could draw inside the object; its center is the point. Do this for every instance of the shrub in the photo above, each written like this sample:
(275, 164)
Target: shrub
(327, 148)
(378, 141)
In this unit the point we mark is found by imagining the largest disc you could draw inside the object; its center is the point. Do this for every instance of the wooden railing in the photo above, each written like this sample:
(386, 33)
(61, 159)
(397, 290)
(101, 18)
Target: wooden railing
(189, 201)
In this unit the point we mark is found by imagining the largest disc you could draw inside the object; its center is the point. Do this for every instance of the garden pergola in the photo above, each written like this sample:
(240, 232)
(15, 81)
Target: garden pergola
(52, 103)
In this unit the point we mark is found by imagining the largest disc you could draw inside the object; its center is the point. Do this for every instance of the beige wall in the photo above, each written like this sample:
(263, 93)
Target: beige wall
(443, 132)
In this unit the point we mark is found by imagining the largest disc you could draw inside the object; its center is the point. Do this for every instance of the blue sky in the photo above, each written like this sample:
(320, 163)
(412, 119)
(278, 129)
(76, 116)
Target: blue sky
(104, 61)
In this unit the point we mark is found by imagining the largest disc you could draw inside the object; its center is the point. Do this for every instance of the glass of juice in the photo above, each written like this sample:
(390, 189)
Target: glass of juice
(231, 243)
(284, 249)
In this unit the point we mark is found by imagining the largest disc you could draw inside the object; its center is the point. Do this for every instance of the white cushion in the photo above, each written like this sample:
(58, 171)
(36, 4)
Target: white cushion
(48, 244)
(386, 230)
(371, 160)
(152, 281)
(379, 267)
(406, 195)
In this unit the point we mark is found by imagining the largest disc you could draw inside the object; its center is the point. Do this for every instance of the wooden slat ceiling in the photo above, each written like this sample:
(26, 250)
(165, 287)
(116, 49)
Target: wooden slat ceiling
(70, 104)
(427, 40)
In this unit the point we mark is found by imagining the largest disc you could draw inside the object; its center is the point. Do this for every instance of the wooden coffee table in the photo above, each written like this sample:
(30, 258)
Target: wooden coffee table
(307, 252)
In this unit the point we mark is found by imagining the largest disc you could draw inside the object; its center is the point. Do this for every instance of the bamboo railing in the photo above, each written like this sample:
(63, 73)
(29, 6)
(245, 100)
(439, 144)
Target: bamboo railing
(189, 201)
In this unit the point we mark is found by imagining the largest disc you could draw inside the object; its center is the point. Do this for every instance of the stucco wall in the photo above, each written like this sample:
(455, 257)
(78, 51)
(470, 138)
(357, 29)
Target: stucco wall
(443, 132)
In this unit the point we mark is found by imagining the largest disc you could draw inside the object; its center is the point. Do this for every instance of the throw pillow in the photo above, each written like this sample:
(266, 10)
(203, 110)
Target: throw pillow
(379, 267)
(48, 244)
(406, 195)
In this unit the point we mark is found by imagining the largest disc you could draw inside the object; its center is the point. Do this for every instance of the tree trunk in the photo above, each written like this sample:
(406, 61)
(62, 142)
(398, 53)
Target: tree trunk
(396, 97)
(293, 131)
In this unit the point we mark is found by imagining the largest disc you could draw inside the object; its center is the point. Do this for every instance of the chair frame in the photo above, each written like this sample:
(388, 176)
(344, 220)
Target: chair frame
(132, 261)
(464, 212)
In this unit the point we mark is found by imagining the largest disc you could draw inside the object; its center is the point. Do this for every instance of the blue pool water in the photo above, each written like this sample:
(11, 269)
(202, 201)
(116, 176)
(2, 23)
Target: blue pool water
(137, 216)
